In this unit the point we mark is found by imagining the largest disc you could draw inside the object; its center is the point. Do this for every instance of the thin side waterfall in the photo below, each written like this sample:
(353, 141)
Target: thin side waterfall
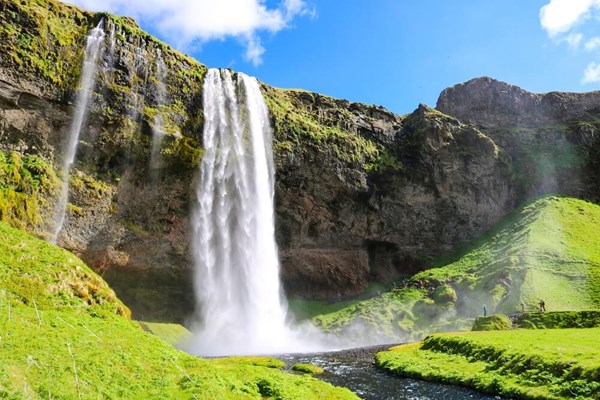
(235, 253)
(140, 65)
(158, 123)
(93, 49)
(111, 51)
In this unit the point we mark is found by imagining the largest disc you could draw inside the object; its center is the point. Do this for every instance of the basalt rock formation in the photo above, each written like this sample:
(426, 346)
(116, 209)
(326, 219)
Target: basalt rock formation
(362, 194)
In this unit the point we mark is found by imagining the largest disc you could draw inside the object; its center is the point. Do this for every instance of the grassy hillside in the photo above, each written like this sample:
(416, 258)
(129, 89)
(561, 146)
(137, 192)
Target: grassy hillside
(547, 250)
(529, 364)
(64, 334)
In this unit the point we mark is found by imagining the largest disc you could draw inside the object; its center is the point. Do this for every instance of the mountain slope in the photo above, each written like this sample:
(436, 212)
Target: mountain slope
(64, 334)
(547, 250)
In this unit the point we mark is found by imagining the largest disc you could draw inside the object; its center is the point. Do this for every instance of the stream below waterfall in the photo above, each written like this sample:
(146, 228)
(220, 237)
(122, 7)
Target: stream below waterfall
(355, 370)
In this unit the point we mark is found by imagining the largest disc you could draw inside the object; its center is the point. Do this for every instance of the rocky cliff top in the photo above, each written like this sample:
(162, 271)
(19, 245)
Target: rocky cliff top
(491, 103)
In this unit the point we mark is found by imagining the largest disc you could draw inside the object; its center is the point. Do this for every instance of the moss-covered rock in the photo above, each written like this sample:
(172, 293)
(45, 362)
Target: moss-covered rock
(28, 186)
(308, 369)
(495, 322)
(445, 294)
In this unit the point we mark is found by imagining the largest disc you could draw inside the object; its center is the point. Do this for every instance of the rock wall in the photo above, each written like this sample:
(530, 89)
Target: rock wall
(552, 139)
(362, 194)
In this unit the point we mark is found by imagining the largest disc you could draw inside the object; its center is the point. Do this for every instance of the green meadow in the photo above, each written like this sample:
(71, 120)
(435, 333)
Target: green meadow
(65, 335)
(524, 364)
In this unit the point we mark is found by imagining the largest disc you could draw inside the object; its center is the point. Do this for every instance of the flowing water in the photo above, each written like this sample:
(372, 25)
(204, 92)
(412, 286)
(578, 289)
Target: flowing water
(355, 370)
(93, 50)
(158, 123)
(237, 284)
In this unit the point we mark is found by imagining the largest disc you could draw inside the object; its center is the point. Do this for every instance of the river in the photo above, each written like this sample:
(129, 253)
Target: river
(355, 369)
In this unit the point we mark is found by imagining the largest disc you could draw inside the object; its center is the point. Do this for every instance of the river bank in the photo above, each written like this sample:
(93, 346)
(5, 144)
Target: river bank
(355, 369)
(526, 364)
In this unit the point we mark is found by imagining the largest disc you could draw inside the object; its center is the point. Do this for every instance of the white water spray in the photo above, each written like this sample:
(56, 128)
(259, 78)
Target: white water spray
(237, 267)
(158, 123)
(93, 49)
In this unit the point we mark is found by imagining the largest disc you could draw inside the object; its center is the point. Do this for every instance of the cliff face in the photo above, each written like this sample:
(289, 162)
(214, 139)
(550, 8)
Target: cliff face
(362, 194)
(552, 139)
(491, 103)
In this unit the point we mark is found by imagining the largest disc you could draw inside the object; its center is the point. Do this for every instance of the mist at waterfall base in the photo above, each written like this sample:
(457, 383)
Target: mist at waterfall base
(239, 297)
(93, 50)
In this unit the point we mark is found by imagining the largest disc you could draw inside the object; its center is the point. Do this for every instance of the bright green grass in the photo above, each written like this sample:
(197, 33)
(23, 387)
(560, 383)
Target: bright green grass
(173, 334)
(531, 364)
(63, 336)
(308, 309)
(549, 249)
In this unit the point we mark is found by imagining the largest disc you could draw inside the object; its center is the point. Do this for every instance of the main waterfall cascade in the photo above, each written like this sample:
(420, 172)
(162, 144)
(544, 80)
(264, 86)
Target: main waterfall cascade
(237, 267)
(93, 50)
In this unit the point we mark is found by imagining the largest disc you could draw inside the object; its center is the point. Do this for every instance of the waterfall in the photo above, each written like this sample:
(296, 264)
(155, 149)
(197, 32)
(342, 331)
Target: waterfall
(235, 253)
(140, 67)
(93, 49)
(158, 123)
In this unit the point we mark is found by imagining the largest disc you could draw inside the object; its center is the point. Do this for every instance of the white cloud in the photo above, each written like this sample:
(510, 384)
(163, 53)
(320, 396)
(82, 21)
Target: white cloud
(591, 73)
(184, 22)
(559, 16)
(592, 44)
(573, 40)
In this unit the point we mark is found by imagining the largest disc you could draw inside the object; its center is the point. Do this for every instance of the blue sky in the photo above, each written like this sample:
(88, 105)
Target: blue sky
(395, 53)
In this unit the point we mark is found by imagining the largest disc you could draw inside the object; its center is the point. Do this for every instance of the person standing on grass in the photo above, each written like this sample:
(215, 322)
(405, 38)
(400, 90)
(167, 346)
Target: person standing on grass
(542, 305)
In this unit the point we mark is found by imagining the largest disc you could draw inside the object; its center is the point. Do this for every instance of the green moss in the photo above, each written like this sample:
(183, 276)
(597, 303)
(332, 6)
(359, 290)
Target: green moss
(298, 130)
(27, 185)
(182, 152)
(550, 364)
(89, 188)
(42, 38)
(384, 161)
(445, 294)
(496, 322)
(308, 369)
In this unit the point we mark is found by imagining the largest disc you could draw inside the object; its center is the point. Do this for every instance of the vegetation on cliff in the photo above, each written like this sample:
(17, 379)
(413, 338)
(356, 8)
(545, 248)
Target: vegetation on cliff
(66, 335)
(42, 38)
(305, 122)
(528, 364)
(27, 185)
(546, 250)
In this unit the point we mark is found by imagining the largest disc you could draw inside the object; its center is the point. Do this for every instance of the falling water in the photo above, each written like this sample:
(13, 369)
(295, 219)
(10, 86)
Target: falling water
(161, 95)
(111, 41)
(237, 267)
(140, 67)
(93, 49)
(110, 54)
